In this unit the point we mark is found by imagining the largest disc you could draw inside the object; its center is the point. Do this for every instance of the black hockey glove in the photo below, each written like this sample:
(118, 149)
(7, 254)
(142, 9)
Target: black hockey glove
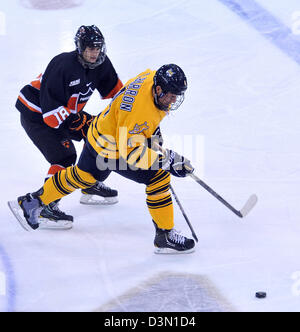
(175, 164)
(81, 123)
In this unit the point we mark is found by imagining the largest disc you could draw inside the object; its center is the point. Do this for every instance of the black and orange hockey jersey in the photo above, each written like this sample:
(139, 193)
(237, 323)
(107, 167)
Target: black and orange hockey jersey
(123, 128)
(64, 89)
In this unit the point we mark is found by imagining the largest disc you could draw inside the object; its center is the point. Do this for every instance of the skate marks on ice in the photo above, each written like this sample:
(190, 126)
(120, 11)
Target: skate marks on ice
(171, 292)
(50, 4)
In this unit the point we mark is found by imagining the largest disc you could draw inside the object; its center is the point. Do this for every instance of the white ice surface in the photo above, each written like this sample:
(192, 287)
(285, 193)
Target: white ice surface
(241, 114)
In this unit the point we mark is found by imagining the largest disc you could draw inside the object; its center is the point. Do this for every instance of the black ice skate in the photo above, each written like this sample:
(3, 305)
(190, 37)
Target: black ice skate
(32, 214)
(99, 194)
(171, 242)
(51, 217)
(27, 210)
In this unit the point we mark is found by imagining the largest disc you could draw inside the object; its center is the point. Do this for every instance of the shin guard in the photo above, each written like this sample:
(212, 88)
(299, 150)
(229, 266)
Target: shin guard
(65, 182)
(159, 200)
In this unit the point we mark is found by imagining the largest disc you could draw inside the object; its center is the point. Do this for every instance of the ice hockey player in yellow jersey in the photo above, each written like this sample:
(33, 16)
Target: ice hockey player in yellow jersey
(124, 138)
(133, 109)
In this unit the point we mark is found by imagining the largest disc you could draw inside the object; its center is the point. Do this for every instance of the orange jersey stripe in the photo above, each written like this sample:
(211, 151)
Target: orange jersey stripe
(52, 121)
(114, 90)
(37, 82)
(56, 117)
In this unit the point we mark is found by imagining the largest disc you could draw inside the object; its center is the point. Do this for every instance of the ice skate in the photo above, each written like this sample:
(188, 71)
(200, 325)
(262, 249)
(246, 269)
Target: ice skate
(99, 194)
(172, 242)
(32, 214)
(51, 217)
(26, 209)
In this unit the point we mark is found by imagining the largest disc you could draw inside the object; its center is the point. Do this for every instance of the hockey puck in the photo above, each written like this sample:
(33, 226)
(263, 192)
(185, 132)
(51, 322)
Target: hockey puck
(261, 295)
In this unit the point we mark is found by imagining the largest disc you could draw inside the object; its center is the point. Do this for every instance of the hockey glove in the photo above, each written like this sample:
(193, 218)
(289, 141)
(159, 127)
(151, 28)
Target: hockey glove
(175, 164)
(81, 123)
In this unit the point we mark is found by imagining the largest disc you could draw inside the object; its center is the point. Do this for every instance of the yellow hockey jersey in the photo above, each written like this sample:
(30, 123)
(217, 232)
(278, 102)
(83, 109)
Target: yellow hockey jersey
(122, 129)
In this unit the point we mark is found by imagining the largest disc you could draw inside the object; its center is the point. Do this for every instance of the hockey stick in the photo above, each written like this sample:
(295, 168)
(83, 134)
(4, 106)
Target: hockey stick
(248, 206)
(184, 214)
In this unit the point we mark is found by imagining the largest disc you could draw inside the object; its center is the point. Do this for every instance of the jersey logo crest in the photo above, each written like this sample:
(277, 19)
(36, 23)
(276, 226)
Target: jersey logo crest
(76, 82)
(139, 128)
(66, 143)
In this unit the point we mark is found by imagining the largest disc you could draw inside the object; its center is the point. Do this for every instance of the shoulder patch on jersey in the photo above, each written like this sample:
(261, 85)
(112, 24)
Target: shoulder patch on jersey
(139, 128)
(76, 82)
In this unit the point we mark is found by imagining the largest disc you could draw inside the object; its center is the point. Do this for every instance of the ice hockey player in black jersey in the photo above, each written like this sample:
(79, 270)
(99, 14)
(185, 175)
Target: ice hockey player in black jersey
(51, 110)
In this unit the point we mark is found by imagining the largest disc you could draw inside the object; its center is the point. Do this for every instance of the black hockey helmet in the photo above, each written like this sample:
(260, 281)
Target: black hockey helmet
(170, 78)
(90, 36)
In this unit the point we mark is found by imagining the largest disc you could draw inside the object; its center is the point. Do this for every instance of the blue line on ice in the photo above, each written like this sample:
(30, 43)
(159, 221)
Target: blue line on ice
(267, 25)
(10, 281)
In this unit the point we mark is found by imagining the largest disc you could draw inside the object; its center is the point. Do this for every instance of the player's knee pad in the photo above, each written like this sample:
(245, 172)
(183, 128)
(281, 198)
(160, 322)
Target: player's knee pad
(159, 184)
(78, 178)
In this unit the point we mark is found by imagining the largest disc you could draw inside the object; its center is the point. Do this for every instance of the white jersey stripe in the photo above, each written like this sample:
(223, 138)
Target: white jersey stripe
(38, 109)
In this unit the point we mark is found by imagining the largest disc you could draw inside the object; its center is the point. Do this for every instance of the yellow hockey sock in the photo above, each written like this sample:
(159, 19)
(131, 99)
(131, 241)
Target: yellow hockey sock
(159, 200)
(65, 182)
(161, 210)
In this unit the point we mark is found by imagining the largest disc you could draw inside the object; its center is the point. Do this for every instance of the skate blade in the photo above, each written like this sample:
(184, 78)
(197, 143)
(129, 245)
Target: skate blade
(169, 251)
(45, 223)
(18, 214)
(89, 200)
